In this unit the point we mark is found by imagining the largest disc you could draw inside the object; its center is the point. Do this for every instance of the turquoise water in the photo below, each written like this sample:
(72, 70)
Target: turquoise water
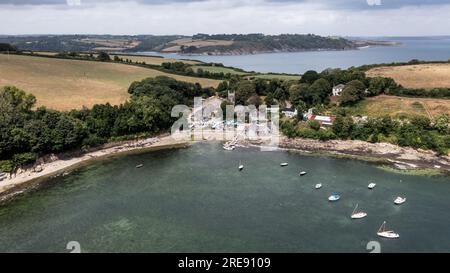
(422, 48)
(195, 200)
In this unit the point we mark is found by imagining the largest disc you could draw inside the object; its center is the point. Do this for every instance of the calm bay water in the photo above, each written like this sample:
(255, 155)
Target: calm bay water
(195, 200)
(422, 48)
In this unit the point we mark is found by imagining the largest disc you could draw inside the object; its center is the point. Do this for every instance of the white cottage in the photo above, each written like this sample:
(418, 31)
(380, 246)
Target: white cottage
(337, 90)
(289, 112)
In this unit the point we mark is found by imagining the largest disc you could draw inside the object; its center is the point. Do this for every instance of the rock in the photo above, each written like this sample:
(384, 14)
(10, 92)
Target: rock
(38, 169)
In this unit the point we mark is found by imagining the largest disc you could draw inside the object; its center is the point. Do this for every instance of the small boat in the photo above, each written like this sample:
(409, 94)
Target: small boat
(382, 232)
(284, 164)
(318, 186)
(139, 166)
(358, 214)
(399, 200)
(302, 173)
(334, 197)
(241, 167)
(372, 185)
(229, 147)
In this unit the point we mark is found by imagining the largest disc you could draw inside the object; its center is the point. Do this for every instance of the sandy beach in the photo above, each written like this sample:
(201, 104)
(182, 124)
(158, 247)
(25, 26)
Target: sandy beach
(56, 165)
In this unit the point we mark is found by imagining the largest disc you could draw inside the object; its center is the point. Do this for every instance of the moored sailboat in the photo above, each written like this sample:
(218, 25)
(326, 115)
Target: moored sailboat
(389, 234)
(358, 214)
(400, 200)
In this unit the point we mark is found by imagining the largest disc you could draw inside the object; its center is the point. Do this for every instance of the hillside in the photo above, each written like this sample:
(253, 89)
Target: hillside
(398, 107)
(67, 84)
(198, 44)
(425, 76)
(259, 43)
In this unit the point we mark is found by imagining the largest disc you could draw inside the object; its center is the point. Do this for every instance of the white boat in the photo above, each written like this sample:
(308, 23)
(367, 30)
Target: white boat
(318, 186)
(399, 200)
(139, 166)
(241, 167)
(358, 214)
(334, 197)
(372, 185)
(302, 173)
(284, 164)
(382, 232)
(228, 148)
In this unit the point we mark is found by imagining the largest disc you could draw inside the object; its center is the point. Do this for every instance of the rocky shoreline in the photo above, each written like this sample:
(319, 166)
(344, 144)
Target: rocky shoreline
(241, 52)
(403, 158)
(56, 165)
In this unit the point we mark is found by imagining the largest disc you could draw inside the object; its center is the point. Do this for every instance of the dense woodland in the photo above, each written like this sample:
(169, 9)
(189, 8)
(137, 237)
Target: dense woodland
(26, 134)
(248, 43)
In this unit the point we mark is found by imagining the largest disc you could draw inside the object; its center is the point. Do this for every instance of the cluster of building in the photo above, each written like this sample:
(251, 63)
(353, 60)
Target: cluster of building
(325, 121)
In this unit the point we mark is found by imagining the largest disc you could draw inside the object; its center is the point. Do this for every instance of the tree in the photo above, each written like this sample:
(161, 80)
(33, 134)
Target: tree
(349, 95)
(297, 93)
(245, 90)
(222, 89)
(421, 122)
(442, 124)
(301, 110)
(380, 85)
(318, 92)
(261, 86)
(103, 56)
(376, 86)
(353, 92)
(343, 126)
(254, 100)
(309, 77)
(270, 100)
(15, 110)
(7, 47)
(314, 124)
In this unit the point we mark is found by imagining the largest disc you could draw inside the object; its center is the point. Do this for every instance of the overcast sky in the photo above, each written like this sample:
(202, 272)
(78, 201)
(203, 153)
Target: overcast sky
(323, 17)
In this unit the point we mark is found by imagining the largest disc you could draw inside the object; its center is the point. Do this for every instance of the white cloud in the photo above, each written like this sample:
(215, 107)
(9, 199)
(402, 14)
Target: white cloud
(223, 16)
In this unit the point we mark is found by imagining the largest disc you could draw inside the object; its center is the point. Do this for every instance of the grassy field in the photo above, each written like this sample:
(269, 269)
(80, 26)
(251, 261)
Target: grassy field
(277, 76)
(67, 84)
(154, 60)
(176, 45)
(416, 76)
(401, 106)
(111, 44)
(218, 69)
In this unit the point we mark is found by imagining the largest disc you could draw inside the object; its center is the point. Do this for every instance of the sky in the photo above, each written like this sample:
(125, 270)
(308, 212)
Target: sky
(187, 17)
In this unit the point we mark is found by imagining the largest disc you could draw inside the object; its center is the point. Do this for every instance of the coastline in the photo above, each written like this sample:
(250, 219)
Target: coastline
(54, 165)
(399, 159)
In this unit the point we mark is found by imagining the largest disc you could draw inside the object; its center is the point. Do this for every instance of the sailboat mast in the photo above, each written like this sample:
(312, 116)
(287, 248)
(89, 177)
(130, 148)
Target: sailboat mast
(354, 211)
(382, 228)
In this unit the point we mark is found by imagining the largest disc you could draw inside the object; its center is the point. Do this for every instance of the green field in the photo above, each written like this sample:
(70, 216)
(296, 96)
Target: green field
(225, 70)
(277, 76)
(64, 84)
(219, 69)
